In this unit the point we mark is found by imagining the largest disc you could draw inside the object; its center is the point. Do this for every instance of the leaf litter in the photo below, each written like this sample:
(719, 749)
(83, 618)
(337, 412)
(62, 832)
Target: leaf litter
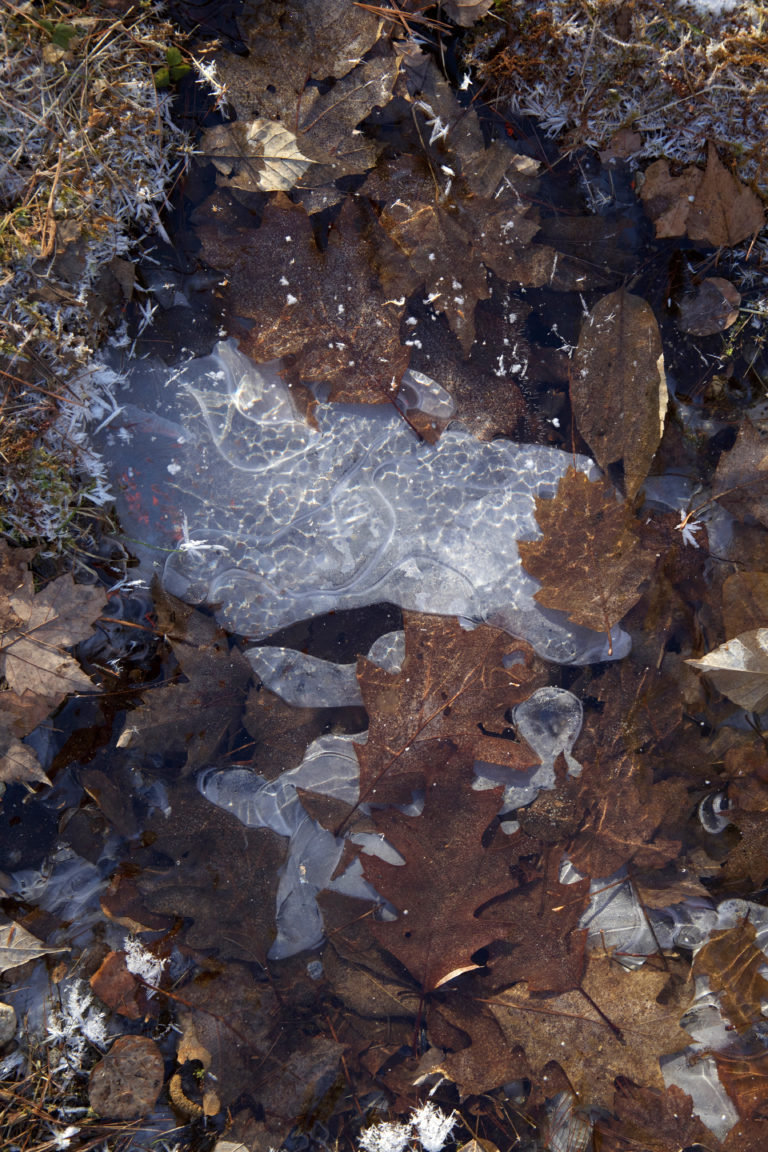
(523, 928)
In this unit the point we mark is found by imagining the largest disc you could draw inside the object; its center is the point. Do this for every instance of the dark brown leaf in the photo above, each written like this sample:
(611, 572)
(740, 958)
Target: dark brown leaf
(454, 689)
(650, 1120)
(618, 386)
(323, 308)
(447, 876)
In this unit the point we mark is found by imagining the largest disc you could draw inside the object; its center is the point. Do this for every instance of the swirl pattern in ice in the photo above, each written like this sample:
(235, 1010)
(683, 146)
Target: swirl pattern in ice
(285, 521)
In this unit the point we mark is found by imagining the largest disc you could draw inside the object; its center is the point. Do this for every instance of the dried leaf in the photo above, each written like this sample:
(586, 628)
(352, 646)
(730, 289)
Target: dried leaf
(724, 212)
(18, 762)
(713, 307)
(651, 1119)
(590, 560)
(618, 386)
(205, 865)
(711, 207)
(325, 146)
(191, 719)
(17, 946)
(125, 1084)
(739, 669)
(264, 154)
(465, 13)
(37, 627)
(733, 964)
(741, 479)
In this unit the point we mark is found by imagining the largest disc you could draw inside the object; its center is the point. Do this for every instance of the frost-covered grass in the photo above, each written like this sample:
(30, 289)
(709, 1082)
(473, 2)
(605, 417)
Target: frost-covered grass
(88, 156)
(678, 74)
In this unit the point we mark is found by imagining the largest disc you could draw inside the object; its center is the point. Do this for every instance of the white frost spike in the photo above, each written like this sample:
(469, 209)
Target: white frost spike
(432, 1125)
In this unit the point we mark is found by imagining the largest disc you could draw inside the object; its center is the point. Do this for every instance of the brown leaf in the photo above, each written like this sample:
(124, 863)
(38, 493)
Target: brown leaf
(732, 962)
(37, 627)
(265, 154)
(590, 561)
(126, 1083)
(465, 13)
(205, 865)
(739, 669)
(624, 811)
(323, 308)
(118, 988)
(741, 479)
(454, 688)
(17, 946)
(191, 719)
(745, 602)
(743, 1072)
(619, 1023)
(711, 207)
(227, 1020)
(284, 52)
(713, 307)
(18, 762)
(447, 876)
(618, 386)
(724, 212)
(650, 1120)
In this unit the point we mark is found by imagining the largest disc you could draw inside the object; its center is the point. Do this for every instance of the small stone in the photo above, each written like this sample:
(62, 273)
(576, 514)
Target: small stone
(126, 1083)
(7, 1023)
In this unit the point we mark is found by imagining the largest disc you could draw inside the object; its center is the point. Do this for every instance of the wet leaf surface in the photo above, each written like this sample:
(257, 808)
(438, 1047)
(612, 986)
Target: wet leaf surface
(590, 560)
(618, 386)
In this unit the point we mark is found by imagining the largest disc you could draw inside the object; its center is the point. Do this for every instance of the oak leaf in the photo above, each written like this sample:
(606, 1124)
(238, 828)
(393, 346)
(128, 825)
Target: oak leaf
(447, 875)
(590, 561)
(450, 696)
(613, 1022)
(618, 385)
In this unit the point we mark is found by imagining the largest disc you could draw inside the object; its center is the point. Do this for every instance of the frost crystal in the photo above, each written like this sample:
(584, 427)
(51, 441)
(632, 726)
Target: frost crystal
(385, 1137)
(432, 1126)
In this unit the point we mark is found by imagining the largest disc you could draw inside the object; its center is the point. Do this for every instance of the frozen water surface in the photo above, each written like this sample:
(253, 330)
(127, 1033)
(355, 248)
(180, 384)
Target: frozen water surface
(281, 521)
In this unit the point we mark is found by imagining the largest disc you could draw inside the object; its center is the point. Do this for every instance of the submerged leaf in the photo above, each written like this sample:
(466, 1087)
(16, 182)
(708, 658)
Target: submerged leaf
(739, 669)
(590, 560)
(618, 386)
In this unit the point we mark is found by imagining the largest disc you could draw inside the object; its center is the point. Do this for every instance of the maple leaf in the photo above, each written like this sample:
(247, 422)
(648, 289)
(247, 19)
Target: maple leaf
(618, 386)
(447, 876)
(322, 307)
(36, 628)
(590, 561)
(190, 719)
(453, 690)
(613, 1022)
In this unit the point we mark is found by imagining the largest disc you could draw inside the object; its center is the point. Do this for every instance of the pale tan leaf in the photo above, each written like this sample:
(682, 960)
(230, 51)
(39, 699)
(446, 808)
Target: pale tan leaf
(739, 669)
(465, 13)
(17, 946)
(262, 154)
(618, 386)
(40, 626)
(724, 212)
(18, 762)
